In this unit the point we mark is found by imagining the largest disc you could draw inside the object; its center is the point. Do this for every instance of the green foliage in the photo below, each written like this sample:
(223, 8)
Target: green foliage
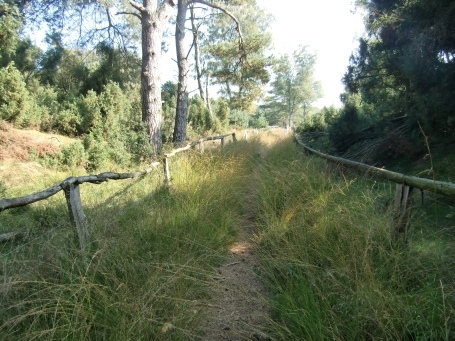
(169, 97)
(241, 82)
(294, 88)
(73, 155)
(343, 131)
(98, 156)
(239, 118)
(14, 96)
(68, 121)
(259, 121)
(114, 107)
(26, 59)
(90, 111)
(10, 23)
(113, 66)
(405, 65)
(320, 121)
(199, 116)
(51, 59)
(222, 111)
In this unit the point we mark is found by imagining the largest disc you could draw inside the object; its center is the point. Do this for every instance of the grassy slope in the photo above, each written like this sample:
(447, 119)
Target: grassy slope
(324, 241)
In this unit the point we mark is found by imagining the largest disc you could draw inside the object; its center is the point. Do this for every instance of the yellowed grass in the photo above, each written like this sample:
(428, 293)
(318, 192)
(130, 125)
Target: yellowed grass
(19, 144)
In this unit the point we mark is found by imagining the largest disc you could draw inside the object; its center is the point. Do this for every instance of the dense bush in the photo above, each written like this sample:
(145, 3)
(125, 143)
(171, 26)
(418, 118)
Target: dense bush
(258, 121)
(199, 116)
(320, 121)
(14, 96)
(239, 118)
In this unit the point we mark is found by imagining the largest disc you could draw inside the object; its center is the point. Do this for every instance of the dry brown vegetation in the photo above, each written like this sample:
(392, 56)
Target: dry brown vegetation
(18, 144)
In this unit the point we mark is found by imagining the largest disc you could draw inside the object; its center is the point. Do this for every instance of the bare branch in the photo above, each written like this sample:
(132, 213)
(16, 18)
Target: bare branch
(129, 13)
(237, 28)
(137, 6)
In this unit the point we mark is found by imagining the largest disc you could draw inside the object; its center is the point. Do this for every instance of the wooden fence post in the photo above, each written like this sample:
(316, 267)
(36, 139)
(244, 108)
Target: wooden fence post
(167, 173)
(201, 146)
(78, 219)
(234, 139)
(222, 143)
(402, 213)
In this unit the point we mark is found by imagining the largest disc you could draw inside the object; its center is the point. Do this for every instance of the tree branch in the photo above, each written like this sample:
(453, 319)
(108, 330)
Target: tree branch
(137, 6)
(129, 13)
(237, 28)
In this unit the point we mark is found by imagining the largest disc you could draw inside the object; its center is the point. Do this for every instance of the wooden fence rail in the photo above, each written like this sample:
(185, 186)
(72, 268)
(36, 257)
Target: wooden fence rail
(405, 184)
(70, 187)
(440, 187)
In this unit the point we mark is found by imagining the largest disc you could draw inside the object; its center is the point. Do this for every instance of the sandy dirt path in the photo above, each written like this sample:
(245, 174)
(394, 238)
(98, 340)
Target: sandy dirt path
(239, 309)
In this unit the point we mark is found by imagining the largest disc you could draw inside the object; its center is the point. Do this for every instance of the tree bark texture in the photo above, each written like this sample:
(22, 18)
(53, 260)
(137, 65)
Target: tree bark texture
(179, 136)
(153, 20)
(402, 214)
(77, 215)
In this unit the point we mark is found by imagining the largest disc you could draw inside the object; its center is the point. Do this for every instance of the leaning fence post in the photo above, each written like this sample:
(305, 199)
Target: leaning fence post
(78, 219)
(402, 213)
(167, 173)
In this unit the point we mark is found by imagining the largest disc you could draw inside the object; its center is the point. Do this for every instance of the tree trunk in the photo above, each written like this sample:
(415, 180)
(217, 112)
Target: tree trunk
(179, 135)
(182, 62)
(154, 22)
(209, 106)
(195, 30)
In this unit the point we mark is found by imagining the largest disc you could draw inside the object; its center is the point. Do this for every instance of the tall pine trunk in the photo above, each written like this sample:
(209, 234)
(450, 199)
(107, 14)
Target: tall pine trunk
(154, 22)
(179, 136)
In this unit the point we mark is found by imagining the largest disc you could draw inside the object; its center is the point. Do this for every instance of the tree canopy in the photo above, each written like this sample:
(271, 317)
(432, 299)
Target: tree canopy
(294, 88)
(406, 66)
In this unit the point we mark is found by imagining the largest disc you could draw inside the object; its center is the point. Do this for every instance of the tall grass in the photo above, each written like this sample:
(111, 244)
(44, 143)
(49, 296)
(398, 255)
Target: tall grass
(145, 275)
(325, 245)
(323, 240)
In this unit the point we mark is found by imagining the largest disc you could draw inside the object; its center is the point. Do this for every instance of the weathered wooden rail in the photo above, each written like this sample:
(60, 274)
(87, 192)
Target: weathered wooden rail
(403, 196)
(70, 187)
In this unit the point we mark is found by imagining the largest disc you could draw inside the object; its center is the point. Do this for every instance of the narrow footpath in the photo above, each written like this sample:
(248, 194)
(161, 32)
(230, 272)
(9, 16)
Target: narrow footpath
(239, 309)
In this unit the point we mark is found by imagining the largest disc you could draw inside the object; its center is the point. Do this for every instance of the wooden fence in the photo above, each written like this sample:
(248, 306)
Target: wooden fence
(70, 187)
(403, 196)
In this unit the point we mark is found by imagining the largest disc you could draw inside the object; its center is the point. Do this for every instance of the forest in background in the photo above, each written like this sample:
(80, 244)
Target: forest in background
(398, 86)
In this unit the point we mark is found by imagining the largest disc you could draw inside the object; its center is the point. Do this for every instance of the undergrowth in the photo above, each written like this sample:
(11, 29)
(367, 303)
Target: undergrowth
(324, 241)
